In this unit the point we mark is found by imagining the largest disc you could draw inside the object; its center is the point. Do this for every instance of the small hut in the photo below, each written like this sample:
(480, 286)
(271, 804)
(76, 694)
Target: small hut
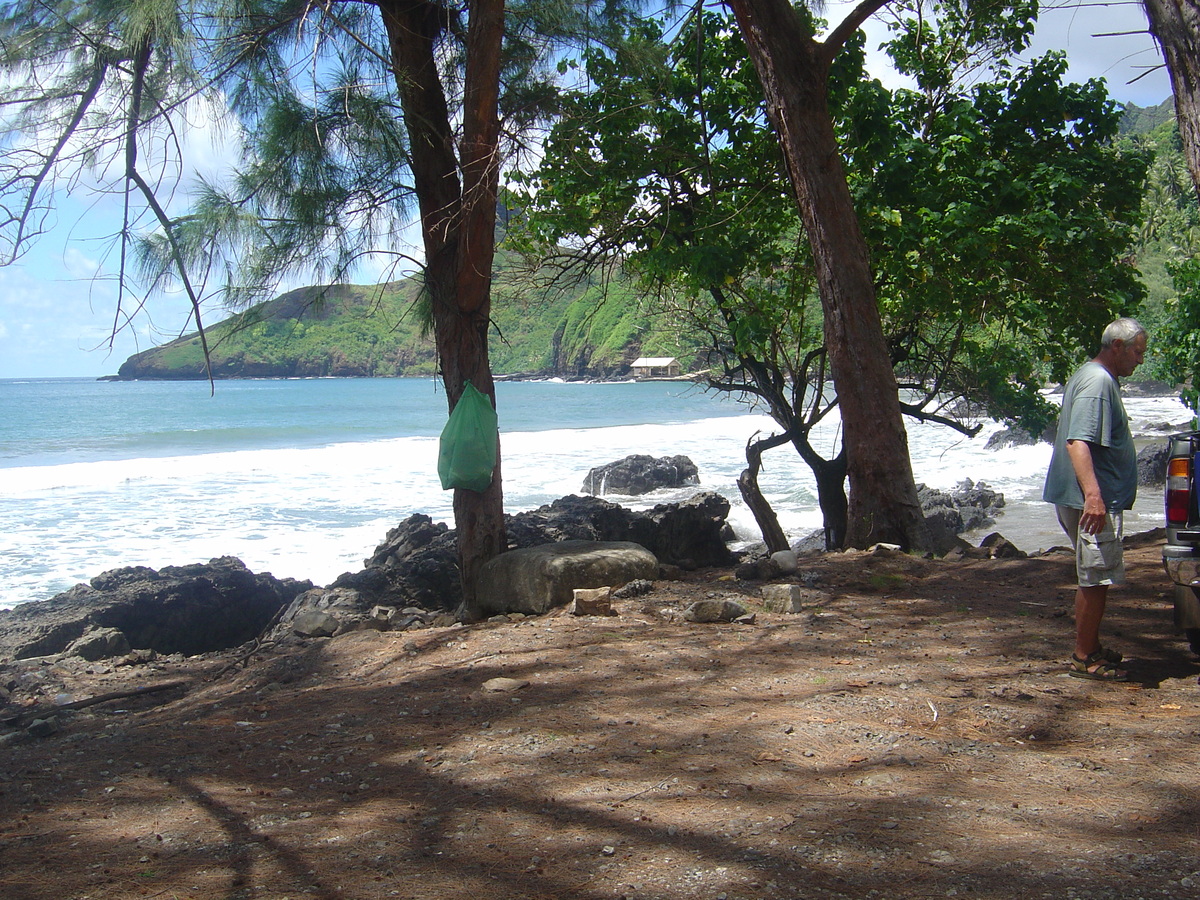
(655, 367)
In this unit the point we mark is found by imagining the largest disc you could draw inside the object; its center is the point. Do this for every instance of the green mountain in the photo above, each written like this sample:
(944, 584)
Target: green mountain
(1144, 119)
(589, 329)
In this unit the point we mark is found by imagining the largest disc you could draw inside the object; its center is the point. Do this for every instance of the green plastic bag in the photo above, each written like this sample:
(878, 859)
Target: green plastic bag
(467, 452)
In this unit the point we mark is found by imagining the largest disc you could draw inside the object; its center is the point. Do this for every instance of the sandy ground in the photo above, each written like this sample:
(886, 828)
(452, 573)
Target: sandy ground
(912, 733)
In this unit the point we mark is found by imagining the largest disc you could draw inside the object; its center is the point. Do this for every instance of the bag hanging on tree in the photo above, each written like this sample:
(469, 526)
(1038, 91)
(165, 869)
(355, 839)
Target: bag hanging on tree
(467, 452)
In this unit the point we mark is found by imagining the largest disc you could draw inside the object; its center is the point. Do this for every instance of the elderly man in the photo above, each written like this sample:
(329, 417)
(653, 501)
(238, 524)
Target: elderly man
(1092, 480)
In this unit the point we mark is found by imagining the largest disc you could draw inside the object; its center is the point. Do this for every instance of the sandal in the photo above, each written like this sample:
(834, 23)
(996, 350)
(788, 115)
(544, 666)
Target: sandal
(1096, 668)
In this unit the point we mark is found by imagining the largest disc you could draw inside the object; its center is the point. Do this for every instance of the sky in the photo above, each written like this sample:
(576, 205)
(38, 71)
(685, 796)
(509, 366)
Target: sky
(59, 302)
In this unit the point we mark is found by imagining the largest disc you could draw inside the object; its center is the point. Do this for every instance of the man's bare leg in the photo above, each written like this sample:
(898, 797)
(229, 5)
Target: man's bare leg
(1089, 612)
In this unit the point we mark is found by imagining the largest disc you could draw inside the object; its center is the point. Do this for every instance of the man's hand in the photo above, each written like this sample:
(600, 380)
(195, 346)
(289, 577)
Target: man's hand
(1094, 515)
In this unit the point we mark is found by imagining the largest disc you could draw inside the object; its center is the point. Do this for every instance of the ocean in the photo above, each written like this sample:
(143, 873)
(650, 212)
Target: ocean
(303, 478)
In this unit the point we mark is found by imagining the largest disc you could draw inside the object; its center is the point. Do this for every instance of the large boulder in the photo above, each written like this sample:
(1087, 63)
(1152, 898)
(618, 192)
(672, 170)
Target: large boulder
(532, 580)
(969, 506)
(1016, 436)
(177, 609)
(640, 474)
(416, 565)
(1152, 464)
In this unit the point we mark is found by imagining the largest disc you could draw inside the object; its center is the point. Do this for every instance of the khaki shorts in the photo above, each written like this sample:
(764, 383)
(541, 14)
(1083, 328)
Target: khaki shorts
(1098, 557)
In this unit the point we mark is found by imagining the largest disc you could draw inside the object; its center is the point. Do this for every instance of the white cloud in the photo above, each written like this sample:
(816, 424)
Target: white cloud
(1077, 26)
(78, 265)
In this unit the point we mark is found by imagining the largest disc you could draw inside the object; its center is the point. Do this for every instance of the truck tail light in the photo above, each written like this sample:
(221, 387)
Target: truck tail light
(1179, 471)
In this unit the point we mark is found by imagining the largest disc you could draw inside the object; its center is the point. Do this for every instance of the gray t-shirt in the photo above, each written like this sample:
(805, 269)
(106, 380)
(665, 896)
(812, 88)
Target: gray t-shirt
(1092, 411)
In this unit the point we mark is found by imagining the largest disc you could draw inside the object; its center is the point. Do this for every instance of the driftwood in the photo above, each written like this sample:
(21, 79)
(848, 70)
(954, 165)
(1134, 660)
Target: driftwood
(42, 712)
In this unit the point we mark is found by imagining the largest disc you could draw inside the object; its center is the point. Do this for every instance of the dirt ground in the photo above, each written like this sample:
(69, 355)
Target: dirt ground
(911, 734)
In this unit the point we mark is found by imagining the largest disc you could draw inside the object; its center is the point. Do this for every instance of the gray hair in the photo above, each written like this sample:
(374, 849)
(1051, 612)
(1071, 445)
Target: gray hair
(1125, 330)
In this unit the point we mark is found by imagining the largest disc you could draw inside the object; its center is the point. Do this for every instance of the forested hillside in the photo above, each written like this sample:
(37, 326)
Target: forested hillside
(1170, 229)
(584, 330)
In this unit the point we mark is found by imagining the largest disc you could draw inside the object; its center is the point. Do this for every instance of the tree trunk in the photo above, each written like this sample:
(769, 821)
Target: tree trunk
(1176, 26)
(457, 226)
(830, 475)
(764, 515)
(794, 69)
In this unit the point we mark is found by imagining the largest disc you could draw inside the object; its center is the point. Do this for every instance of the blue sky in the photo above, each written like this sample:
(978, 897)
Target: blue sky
(57, 307)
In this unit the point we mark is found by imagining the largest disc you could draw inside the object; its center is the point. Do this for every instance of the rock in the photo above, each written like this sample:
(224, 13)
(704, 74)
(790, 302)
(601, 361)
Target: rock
(1152, 464)
(640, 474)
(416, 565)
(136, 658)
(178, 609)
(315, 623)
(763, 569)
(1148, 388)
(635, 588)
(99, 643)
(324, 612)
(688, 534)
(811, 544)
(784, 598)
(969, 506)
(999, 547)
(504, 685)
(691, 534)
(785, 560)
(535, 579)
(1019, 437)
(40, 728)
(706, 611)
(591, 602)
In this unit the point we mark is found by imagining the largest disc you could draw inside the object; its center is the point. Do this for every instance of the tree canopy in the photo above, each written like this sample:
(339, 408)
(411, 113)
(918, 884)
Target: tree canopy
(999, 216)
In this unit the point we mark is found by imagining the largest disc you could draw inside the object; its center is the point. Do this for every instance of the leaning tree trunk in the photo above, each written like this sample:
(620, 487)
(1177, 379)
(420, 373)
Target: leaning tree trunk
(794, 69)
(768, 523)
(457, 226)
(1176, 26)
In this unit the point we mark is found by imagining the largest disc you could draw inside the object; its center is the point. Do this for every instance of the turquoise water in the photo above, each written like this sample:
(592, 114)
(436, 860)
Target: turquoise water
(53, 421)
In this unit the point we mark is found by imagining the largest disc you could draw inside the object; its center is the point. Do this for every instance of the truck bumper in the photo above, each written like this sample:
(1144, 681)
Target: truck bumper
(1182, 565)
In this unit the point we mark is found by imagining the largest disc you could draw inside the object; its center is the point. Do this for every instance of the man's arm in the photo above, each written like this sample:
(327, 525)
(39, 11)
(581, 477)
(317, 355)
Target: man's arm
(1094, 511)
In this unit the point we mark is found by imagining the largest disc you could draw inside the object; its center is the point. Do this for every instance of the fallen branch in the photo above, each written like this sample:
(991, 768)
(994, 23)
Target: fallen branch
(41, 712)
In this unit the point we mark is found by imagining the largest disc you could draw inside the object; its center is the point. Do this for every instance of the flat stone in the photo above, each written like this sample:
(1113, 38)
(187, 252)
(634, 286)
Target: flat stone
(533, 580)
(591, 602)
(503, 685)
(790, 598)
(783, 598)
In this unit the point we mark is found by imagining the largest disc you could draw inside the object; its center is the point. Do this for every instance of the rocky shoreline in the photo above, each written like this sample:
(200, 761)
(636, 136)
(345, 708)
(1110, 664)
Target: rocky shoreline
(412, 579)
